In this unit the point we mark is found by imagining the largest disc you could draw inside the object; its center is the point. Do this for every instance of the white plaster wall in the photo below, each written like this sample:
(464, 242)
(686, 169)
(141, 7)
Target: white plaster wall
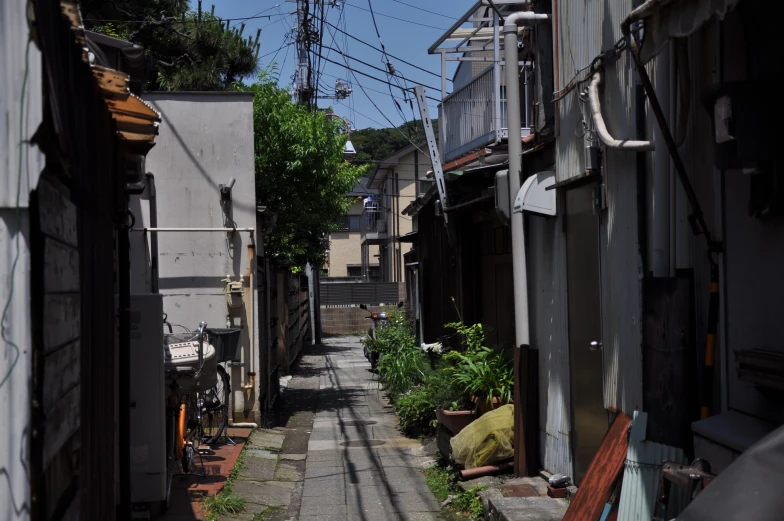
(205, 139)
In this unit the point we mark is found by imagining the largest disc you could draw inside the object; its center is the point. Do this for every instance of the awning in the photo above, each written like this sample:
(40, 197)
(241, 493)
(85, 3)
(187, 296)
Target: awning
(137, 122)
(667, 19)
(409, 237)
(534, 195)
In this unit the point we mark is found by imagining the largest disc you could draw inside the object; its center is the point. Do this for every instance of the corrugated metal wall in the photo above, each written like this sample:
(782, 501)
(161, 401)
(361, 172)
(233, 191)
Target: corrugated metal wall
(15, 391)
(584, 30)
(547, 303)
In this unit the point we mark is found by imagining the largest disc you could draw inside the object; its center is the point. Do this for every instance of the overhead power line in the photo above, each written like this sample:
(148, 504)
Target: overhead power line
(425, 10)
(377, 68)
(401, 60)
(374, 78)
(383, 114)
(396, 18)
(276, 6)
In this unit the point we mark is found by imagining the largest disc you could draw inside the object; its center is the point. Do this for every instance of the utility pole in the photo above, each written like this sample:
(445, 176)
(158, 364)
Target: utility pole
(302, 80)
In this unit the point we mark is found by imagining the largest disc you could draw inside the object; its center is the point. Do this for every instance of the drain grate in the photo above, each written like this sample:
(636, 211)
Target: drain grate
(362, 443)
(357, 423)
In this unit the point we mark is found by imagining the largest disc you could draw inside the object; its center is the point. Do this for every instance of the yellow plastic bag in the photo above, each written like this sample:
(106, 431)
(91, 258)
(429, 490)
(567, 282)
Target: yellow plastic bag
(487, 440)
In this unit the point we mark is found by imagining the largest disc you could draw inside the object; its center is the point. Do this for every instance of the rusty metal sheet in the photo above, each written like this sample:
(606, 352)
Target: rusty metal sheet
(602, 474)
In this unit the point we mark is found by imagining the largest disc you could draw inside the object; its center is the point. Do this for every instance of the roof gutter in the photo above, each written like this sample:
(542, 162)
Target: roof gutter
(601, 128)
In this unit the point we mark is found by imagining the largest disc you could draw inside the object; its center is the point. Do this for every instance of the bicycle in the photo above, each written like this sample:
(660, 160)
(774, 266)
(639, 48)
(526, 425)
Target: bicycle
(194, 418)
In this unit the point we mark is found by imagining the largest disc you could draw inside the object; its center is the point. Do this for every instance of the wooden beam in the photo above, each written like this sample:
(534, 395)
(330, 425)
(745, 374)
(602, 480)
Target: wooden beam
(602, 475)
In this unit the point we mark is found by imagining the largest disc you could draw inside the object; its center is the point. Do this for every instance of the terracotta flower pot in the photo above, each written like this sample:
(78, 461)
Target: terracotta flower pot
(454, 421)
(482, 405)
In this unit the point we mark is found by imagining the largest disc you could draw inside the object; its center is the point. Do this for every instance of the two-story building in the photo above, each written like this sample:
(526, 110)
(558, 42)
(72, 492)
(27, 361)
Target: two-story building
(344, 257)
(397, 181)
(649, 214)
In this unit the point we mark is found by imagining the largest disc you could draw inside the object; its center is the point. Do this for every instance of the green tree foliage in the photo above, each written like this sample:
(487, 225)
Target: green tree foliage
(186, 49)
(300, 172)
(374, 144)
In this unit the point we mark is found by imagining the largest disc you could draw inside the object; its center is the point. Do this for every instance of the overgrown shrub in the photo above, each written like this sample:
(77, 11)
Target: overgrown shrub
(416, 411)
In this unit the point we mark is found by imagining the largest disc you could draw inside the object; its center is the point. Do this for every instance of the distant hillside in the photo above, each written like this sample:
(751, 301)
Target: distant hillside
(374, 144)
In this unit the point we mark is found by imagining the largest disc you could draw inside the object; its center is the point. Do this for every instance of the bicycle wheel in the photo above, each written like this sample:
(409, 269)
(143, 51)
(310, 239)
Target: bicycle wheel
(215, 415)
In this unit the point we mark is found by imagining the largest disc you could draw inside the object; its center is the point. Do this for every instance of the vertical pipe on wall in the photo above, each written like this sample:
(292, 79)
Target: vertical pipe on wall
(124, 364)
(515, 167)
(662, 174)
(673, 96)
(497, 77)
(520, 277)
(155, 273)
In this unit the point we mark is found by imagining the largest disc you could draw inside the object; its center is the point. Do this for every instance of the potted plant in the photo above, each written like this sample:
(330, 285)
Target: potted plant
(482, 371)
(455, 418)
(451, 400)
(487, 376)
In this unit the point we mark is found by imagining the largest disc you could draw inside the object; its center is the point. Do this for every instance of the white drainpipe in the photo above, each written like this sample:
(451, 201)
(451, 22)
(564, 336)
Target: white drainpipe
(522, 329)
(601, 128)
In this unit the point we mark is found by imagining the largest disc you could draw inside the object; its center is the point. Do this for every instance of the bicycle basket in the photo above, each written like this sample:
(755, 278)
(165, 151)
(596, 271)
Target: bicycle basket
(226, 343)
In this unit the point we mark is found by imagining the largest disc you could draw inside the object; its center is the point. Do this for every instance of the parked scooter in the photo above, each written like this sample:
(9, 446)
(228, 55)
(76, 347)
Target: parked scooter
(380, 320)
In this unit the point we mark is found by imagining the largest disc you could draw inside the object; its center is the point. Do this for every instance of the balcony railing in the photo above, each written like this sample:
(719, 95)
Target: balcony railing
(373, 224)
(475, 115)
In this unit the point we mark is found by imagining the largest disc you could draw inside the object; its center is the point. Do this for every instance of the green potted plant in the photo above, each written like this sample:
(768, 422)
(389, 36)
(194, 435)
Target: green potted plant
(455, 418)
(483, 372)
(487, 376)
(451, 400)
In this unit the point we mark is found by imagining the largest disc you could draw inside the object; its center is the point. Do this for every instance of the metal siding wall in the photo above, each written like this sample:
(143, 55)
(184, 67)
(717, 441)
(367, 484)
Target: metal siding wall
(584, 31)
(547, 294)
(15, 393)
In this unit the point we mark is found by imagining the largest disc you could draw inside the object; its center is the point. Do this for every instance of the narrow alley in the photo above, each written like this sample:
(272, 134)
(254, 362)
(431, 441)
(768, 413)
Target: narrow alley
(357, 467)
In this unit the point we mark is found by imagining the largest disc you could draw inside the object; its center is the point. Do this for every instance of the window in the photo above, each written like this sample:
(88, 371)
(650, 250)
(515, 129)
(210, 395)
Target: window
(354, 271)
(423, 185)
(349, 223)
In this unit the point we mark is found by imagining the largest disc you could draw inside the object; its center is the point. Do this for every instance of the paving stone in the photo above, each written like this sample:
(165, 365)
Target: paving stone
(324, 487)
(293, 457)
(287, 473)
(282, 484)
(323, 510)
(267, 439)
(323, 500)
(313, 471)
(528, 508)
(262, 494)
(258, 468)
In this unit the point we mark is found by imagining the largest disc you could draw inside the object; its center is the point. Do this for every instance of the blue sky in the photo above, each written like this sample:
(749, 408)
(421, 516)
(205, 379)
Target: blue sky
(401, 38)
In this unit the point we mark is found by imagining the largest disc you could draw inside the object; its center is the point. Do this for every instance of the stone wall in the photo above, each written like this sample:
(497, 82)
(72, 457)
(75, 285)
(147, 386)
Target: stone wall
(349, 319)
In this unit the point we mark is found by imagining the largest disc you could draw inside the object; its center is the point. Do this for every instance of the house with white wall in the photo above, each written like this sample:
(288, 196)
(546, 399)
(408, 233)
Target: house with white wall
(208, 231)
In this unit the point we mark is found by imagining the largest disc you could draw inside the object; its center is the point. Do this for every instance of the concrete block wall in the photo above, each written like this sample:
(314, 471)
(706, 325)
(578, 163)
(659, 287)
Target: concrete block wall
(349, 319)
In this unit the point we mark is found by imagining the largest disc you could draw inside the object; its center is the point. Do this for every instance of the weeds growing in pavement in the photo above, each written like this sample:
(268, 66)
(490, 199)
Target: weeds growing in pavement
(440, 479)
(226, 502)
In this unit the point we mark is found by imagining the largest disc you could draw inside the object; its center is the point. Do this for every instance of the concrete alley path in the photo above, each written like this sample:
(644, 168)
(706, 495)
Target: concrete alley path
(358, 466)
(334, 452)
